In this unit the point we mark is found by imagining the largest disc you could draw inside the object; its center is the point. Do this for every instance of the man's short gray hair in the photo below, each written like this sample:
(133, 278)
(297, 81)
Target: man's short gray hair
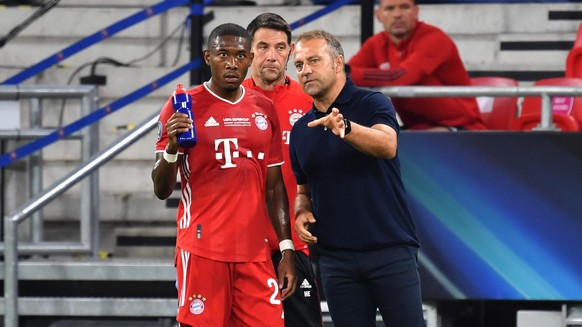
(333, 44)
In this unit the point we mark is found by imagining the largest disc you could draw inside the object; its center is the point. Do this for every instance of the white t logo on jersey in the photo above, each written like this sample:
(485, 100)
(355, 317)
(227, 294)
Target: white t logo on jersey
(286, 135)
(227, 154)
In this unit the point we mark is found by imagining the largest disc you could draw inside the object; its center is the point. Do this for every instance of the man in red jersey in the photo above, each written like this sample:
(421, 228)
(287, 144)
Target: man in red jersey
(272, 47)
(410, 52)
(225, 277)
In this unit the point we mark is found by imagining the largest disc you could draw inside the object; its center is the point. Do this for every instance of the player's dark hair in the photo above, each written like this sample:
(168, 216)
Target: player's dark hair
(227, 29)
(271, 21)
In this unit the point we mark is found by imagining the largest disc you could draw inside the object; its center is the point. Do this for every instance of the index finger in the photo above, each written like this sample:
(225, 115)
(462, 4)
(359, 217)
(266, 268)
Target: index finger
(316, 122)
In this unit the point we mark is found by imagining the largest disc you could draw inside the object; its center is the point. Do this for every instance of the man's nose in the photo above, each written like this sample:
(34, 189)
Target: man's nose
(271, 54)
(230, 62)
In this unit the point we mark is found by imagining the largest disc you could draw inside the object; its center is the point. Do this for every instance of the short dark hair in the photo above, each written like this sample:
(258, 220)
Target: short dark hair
(227, 29)
(271, 21)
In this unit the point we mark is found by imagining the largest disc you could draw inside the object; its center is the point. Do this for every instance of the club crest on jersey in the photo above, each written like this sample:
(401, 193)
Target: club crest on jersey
(197, 304)
(294, 115)
(261, 121)
(160, 130)
(385, 66)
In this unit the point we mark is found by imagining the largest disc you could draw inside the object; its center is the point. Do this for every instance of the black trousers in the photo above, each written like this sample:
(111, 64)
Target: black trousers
(356, 284)
(303, 308)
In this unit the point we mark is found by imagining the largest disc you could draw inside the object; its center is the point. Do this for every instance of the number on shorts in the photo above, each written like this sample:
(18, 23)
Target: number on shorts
(272, 283)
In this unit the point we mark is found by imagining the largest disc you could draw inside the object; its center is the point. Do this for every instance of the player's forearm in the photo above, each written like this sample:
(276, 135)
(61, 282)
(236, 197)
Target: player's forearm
(278, 209)
(164, 177)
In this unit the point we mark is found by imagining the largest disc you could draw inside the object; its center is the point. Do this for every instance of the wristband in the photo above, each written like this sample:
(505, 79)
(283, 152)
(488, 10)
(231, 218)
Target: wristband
(170, 158)
(348, 126)
(286, 245)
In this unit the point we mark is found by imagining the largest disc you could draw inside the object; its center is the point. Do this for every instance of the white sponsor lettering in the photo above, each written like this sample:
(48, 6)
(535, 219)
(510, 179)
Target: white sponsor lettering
(286, 137)
(228, 152)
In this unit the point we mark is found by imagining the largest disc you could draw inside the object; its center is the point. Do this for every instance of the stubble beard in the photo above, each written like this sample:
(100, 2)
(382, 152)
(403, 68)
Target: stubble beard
(315, 91)
(270, 77)
(231, 87)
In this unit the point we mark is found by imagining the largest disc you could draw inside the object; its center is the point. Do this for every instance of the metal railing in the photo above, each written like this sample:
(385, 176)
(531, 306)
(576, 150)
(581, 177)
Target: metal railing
(94, 162)
(89, 145)
(546, 93)
(11, 221)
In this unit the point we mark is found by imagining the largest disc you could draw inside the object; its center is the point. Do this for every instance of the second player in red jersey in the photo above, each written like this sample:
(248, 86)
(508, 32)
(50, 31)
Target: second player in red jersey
(272, 47)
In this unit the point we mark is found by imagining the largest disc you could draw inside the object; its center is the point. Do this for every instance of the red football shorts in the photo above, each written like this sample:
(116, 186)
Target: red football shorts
(227, 294)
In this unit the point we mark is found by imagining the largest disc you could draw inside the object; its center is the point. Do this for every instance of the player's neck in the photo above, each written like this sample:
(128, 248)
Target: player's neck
(230, 95)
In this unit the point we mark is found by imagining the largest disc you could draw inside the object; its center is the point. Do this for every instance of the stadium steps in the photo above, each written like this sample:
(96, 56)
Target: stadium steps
(96, 288)
(100, 289)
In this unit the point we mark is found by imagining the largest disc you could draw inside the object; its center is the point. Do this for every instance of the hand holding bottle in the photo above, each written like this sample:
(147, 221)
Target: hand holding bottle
(182, 102)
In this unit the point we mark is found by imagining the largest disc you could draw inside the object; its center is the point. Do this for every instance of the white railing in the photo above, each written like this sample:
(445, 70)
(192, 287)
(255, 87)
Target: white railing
(545, 92)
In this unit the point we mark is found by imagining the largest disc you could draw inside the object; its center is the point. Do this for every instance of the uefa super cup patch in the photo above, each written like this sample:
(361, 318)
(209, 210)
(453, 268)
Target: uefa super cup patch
(236, 122)
(261, 121)
(197, 305)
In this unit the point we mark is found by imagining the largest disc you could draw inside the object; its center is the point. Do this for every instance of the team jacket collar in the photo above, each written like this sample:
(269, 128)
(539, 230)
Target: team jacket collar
(278, 87)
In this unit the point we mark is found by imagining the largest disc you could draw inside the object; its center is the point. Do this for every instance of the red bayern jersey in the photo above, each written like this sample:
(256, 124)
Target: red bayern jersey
(291, 103)
(224, 175)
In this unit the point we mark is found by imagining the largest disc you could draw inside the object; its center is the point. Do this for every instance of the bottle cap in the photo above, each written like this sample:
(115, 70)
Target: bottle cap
(180, 88)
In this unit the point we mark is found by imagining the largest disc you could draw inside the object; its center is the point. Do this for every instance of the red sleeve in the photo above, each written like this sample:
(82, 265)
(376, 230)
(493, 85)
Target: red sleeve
(165, 114)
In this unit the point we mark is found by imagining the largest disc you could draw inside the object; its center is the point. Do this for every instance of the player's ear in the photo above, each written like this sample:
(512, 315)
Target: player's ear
(206, 55)
(340, 62)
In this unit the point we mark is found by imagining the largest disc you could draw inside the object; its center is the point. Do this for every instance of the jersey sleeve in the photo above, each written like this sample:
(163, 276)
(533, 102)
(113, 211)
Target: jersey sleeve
(165, 114)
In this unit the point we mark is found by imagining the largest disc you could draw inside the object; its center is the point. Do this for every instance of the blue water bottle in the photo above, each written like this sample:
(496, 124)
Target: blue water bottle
(182, 102)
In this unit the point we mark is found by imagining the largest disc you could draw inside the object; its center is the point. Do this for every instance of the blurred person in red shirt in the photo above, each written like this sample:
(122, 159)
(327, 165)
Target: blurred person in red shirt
(411, 52)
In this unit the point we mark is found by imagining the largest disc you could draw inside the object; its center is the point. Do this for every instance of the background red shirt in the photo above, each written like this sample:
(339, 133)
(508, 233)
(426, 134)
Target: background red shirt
(429, 57)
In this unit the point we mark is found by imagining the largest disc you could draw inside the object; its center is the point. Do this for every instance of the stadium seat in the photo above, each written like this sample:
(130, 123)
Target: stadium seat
(497, 113)
(566, 110)
(528, 122)
(574, 59)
